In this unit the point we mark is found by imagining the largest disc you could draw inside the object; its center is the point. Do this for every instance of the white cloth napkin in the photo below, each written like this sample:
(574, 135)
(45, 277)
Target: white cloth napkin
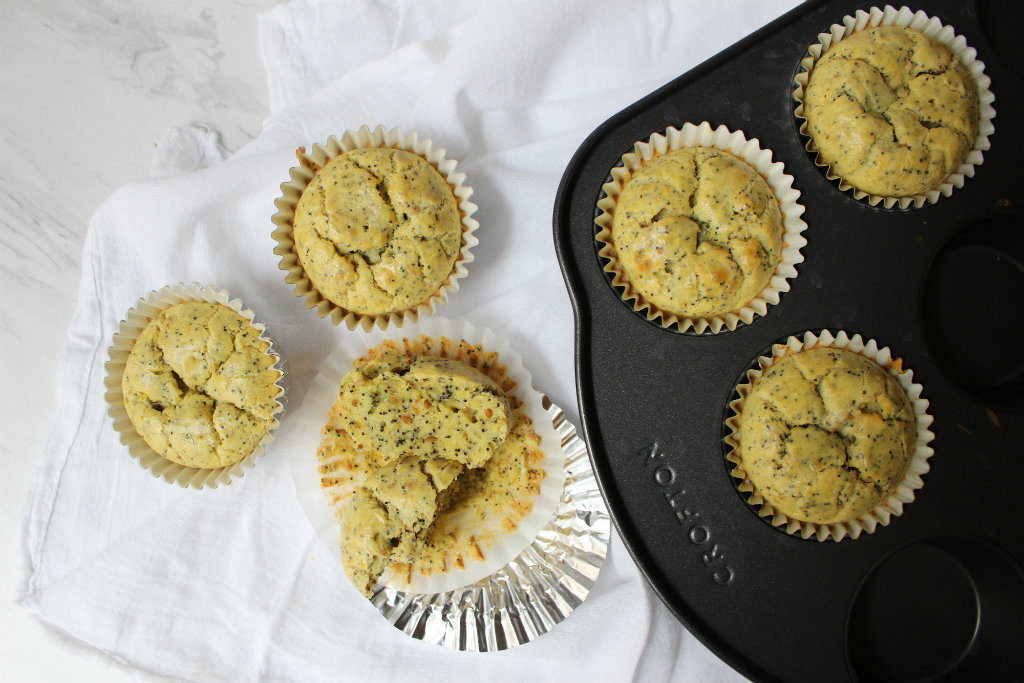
(232, 584)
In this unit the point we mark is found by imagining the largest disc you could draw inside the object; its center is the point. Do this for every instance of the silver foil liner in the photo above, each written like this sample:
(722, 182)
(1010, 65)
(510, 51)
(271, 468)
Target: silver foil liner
(534, 592)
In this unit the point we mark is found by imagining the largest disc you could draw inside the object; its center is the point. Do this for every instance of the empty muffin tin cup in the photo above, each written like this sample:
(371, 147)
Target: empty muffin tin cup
(748, 151)
(300, 176)
(135, 321)
(903, 493)
(930, 26)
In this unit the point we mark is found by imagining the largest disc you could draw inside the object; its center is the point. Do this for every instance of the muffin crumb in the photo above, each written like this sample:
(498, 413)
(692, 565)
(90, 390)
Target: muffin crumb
(426, 459)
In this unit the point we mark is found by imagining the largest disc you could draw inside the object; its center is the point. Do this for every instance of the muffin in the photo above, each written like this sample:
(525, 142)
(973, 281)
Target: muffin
(432, 408)
(698, 232)
(374, 228)
(830, 437)
(700, 228)
(825, 435)
(199, 385)
(377, 230)
(428, 459)
(891, 110)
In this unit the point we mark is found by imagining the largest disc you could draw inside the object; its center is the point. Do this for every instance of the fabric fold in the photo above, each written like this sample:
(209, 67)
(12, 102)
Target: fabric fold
(232, 584)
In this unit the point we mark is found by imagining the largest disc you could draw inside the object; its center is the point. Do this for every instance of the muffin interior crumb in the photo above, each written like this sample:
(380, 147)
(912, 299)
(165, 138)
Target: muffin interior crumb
(697, 232)
(427, 460)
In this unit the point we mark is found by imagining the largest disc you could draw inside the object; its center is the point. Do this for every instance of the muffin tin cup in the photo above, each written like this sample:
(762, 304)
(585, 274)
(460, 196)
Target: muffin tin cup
(930, 26)
(905, 490)
(135, 321)
(749, 151)
(300, 176)
(325, 507)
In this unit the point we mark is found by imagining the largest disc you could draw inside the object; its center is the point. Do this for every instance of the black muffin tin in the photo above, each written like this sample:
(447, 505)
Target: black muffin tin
(938, 593)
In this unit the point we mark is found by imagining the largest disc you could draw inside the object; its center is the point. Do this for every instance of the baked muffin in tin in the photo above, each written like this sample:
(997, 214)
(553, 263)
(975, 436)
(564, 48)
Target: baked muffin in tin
(829, 436)
(895, 106)
(700, 229)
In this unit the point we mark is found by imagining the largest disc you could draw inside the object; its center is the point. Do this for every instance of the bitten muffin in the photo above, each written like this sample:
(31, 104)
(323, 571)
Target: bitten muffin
(427, 459)
(891, 110)
(825, 435)
(698, 232)
(199, 385)
(377, 230)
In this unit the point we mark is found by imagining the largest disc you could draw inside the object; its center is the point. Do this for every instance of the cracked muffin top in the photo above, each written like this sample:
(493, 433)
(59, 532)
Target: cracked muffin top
(698, 232)
(891, 110)
(825, 435)
(377, 230)
(199, 385)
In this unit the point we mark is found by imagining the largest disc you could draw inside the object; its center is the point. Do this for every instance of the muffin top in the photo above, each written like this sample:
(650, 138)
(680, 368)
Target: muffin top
(825, 435)
(891, 110)
(199, 385)
(377, 230)
(698, 232)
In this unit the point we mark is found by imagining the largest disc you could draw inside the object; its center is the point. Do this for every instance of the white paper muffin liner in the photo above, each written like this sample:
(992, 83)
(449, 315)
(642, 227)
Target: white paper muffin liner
(301, 438)
(319, 156)
(905, 490)
(749, 150)
(930, 26)
(136, 320)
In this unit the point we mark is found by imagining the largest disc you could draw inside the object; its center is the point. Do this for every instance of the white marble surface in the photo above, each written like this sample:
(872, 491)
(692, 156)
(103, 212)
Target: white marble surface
(87, 89)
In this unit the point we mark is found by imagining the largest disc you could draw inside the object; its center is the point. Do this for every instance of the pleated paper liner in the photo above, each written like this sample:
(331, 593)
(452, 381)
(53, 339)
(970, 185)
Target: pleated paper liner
(135, 321)
(300, 177)
(930, 26)
(747, 150)
(904, 492)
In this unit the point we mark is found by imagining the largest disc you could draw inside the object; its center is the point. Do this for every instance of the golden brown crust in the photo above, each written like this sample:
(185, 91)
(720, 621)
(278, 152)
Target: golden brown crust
(698, 232)
(825, 435)
(199, 385)
(891, 110)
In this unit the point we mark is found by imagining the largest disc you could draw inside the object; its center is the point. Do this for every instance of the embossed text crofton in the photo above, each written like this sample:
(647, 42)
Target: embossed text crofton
(935, 592)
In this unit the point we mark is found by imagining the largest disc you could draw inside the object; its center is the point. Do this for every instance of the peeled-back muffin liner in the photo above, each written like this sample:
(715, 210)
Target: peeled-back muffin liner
(135, 321)
(317, 158)
(749, 151)
(534, 592)
(903, 494)
(302, 437)
(930, 26)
